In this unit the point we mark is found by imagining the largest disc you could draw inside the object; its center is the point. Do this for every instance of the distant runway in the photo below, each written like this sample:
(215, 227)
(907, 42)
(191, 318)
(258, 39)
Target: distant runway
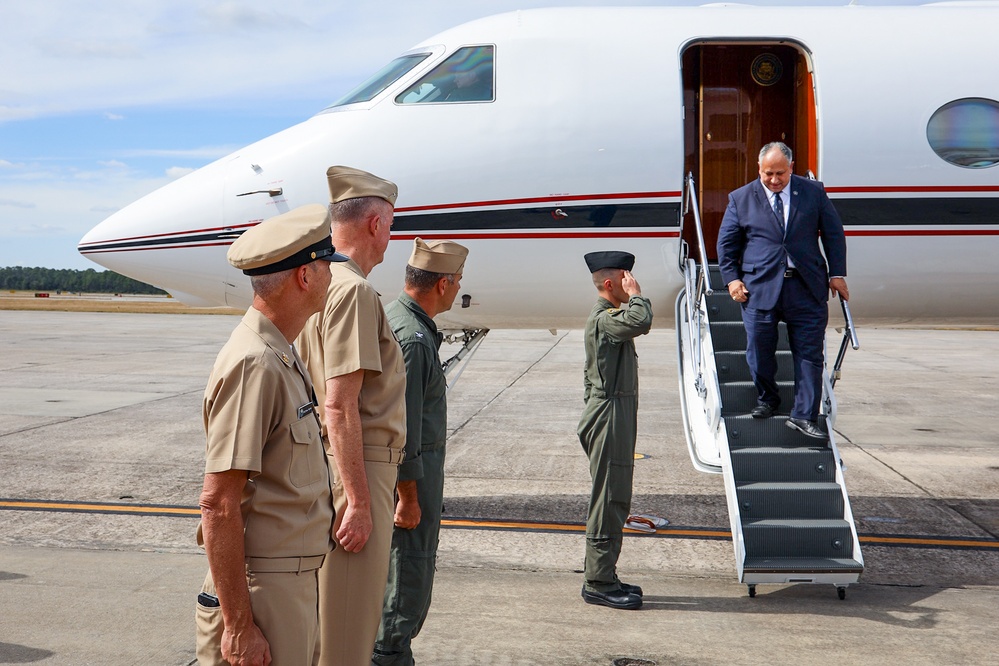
(101, 450)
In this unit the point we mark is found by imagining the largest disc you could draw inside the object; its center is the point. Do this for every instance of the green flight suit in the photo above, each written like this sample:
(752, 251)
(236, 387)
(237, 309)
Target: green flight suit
(608, 429)
(413, 556)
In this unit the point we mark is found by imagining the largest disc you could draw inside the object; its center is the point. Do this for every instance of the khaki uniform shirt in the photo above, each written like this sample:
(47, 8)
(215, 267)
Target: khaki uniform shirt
(259, 417)
(352, 334)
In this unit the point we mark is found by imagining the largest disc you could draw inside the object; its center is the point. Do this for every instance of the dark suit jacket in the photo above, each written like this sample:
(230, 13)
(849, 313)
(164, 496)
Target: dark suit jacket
(752, 246)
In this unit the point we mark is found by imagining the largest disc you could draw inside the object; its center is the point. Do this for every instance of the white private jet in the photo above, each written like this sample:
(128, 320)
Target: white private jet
(534, 137)
(582, 132)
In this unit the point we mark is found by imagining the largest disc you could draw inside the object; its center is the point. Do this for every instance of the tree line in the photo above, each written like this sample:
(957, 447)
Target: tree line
(23, 278)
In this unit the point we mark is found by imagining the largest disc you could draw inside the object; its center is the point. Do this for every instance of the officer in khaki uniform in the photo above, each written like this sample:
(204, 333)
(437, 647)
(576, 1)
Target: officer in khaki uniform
(609, 424)
(433, 279)
(351, 353)
(266, 507)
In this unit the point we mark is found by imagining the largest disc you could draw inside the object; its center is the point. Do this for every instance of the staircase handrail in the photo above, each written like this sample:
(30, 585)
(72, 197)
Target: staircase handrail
(849, 335)
(704, 277)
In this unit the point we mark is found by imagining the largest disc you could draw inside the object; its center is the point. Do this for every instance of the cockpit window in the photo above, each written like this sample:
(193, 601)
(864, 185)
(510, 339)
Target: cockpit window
(965, 132)
(466, 76)
(388, 75)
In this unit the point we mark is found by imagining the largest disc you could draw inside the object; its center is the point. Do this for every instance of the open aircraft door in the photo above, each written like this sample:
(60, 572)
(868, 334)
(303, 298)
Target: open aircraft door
(739, 96)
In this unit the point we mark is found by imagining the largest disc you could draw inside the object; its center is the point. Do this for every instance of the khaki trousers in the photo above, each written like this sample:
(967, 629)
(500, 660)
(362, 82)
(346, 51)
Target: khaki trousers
(352, 585)
(285, 607)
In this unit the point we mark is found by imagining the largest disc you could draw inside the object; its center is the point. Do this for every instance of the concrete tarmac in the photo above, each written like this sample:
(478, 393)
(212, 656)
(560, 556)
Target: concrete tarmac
(101, 460)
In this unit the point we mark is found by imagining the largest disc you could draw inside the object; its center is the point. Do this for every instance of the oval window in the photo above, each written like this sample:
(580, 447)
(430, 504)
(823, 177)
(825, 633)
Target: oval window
(965, 132)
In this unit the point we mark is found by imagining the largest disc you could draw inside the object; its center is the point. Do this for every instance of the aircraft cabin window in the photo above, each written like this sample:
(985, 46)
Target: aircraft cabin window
(965, 132)
(466, 76)
(388, 75)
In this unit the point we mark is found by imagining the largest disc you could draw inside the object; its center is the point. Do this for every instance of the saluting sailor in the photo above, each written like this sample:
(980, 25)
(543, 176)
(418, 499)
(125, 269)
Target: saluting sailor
(266, 507)
(609, 424)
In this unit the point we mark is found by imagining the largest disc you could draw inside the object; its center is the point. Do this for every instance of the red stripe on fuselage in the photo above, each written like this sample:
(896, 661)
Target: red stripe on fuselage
(231, 227)
(911, 189)
(541, 200)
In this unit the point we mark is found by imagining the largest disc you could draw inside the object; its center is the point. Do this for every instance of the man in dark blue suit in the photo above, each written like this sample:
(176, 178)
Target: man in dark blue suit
(768, 253)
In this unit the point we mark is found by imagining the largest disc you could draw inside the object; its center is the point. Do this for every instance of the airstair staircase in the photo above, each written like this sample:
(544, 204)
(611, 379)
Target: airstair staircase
(788, 506)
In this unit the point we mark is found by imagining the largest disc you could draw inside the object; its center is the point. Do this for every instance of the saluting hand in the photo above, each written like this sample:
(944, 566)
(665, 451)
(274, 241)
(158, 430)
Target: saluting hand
(630, 285)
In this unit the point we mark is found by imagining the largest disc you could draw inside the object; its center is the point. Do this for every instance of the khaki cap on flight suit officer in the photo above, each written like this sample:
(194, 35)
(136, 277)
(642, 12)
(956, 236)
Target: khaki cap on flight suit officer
(261, 593)
(433, 280)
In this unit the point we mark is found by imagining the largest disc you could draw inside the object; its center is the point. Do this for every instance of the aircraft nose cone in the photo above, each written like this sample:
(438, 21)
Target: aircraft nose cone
(173, 238)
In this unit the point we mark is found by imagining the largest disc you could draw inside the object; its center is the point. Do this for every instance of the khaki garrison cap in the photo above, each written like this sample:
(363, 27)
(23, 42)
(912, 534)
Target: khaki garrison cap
(438, 256)
(285, 241)
(348, 183)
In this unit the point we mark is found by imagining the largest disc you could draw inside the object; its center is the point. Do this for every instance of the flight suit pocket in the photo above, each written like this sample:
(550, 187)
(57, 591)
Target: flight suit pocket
(619, 481)
(307, 453)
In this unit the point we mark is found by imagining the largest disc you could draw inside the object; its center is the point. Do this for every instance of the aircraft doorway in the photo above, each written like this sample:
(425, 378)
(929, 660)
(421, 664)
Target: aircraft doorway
(738, 97)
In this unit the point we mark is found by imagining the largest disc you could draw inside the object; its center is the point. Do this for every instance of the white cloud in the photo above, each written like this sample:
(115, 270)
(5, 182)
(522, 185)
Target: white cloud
(200, 153)
(113, 164)
(113, 116)
(16, 204)
(173, 173)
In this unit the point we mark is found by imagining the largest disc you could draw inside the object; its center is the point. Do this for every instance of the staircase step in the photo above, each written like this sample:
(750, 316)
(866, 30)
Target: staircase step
(774, 464)
(804, 565)
(732, 366)
(731, 336)
(721, 307)
(746, 432)
(798, 538)
(789, 501)
(739, 398)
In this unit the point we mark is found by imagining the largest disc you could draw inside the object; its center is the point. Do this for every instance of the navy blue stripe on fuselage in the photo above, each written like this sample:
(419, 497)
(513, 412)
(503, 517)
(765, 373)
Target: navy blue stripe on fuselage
(546, 218)
(164, 242)
(943, 212)
(916, 216)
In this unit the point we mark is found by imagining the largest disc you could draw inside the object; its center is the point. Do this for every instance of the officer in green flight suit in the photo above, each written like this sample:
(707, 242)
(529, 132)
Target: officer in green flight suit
(608, 427)
(433, 279)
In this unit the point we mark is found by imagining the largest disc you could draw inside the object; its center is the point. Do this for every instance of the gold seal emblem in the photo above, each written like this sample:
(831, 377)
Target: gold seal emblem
(767, 69)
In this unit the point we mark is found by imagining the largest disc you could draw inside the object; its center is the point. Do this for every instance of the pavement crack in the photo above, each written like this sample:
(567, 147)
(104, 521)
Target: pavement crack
(511, 384)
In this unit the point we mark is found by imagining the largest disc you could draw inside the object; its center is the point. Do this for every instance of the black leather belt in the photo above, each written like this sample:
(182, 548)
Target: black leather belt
(790, 273)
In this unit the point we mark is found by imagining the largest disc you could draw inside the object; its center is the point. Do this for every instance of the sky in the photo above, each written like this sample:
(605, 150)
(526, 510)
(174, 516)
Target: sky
(104, 102)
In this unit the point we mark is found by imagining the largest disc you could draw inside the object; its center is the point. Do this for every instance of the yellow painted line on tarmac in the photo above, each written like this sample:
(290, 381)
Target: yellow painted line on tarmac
(93, 507)
(955, 542)
(512, 525)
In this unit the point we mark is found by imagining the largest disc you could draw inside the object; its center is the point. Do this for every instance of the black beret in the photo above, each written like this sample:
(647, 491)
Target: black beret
(598, 261)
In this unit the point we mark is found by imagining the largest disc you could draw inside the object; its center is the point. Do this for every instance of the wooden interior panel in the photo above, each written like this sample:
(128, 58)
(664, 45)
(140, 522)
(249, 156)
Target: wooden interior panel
(730, 113)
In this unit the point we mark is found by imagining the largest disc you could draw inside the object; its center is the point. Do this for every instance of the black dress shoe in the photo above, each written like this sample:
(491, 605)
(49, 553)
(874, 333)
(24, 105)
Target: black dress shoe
(807, 428)
(631, 589)
(763, 410)
(613, 599)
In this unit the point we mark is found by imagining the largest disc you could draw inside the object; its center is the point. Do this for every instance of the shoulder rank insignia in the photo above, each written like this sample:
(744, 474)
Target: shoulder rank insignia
(613, 311)
(419, 334)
